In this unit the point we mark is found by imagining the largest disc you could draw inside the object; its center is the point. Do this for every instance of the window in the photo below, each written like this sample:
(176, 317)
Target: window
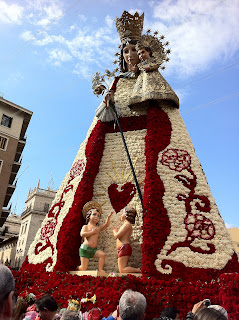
(1, 163)
(46, 207)
(6, 121)
(3, 143)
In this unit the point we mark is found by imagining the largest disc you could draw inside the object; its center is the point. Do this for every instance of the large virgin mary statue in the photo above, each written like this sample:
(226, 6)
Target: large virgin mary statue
(178, 230)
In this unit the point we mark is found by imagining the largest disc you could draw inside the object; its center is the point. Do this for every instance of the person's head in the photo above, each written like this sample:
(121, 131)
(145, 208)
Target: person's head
(171, 313)
(69, 315)
(93, 215)
(46, 307)
(132, 305)
(129, 214)
(129, 56)
(209, 314)
(144, 53)
(219, 308)
(19, 309)
(7, 287)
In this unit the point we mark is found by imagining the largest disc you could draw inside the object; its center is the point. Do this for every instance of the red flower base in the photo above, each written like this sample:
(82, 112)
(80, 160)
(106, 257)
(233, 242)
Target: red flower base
(159, 293)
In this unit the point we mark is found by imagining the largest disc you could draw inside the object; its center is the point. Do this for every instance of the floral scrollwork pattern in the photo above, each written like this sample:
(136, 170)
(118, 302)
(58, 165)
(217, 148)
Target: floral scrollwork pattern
(197, 225)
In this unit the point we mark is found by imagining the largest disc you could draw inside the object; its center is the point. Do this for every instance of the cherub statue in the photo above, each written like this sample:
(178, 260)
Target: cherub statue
(123, 235)
(90, 232)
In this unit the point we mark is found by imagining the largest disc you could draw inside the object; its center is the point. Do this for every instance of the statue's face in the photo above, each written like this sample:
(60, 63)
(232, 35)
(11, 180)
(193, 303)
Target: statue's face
(94, 216)
(143, 54)
(130, 55)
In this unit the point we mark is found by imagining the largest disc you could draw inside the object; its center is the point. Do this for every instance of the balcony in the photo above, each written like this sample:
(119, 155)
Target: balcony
(11, 188)
(21, 144)
(16, 166)
(12, 178)
(5, 213)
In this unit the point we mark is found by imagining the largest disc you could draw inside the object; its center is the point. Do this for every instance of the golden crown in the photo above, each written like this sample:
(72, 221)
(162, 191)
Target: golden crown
(129, 26)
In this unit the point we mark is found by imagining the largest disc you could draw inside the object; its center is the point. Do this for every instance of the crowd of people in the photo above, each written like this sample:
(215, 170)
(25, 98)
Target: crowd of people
(132, 306)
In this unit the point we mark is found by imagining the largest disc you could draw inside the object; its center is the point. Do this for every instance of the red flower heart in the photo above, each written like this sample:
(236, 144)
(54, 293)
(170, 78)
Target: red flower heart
(120, 199)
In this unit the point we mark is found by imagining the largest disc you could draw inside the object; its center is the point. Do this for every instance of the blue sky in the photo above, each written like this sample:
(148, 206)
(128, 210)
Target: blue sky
(50, 50)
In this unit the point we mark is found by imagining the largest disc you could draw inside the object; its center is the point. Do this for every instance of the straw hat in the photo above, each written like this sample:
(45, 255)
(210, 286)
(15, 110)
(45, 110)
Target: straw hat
(91, 205)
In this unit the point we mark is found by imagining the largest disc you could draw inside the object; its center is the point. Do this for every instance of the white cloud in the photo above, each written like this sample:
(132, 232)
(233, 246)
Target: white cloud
(109, 21)
(44, 12)
(45, 38)
(50, 39)
(85, 46)
(91, 47)
(198, 40)
(182, 94)
(11, 13)
(52, 12)
(43, 22)
(199, 32)
(59, 55)
(72, 28)
(88, 48)
(83, 71)
(26, 35)
(82, 17)
(151, 3)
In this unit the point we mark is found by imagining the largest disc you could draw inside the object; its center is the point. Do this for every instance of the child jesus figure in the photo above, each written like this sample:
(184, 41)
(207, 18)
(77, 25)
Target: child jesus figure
(123, 235)
(90, 232)
(147, 63)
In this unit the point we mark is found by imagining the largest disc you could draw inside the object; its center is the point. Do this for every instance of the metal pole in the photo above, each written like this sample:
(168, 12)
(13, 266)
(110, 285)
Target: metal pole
(128, 155)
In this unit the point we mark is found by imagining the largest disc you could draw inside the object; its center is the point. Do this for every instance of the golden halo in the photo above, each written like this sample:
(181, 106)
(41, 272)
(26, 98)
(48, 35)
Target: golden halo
(91, 205)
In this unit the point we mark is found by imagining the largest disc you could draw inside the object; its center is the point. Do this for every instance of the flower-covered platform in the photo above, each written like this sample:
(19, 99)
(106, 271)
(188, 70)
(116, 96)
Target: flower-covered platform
(223, 290)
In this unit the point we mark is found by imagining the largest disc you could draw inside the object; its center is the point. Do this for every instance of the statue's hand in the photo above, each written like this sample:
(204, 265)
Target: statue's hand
(134, 68)
(109, 98)
(95, 231)
(146, 68)
(99, 89)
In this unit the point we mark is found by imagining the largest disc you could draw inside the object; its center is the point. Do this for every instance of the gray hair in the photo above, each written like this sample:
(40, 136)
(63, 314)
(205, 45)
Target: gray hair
(132, 305)
(7, 283)
(70, 315)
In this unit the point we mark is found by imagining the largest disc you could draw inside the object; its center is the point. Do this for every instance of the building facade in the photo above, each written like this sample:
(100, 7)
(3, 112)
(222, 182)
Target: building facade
(37, 206)
(234, 233)
(8, 239)
(14, 121)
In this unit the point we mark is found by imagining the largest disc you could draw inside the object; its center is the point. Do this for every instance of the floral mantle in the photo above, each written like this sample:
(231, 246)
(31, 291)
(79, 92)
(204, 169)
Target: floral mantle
(183, 234)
